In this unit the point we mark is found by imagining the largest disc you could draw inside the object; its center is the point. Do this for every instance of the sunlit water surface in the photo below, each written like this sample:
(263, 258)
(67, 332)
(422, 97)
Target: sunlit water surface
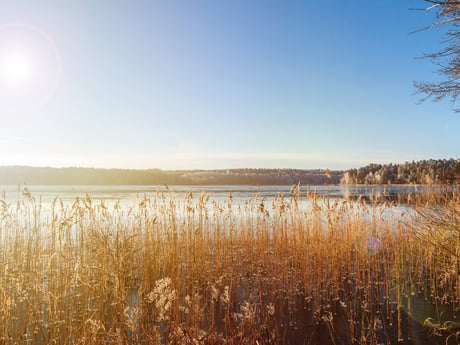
(47, 194)
(216, 197)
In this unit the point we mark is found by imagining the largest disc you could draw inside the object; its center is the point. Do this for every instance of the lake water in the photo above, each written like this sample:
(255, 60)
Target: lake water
(240, 194)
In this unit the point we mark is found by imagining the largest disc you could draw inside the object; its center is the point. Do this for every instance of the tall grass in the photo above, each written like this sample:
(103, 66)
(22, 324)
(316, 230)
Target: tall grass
(298, 270)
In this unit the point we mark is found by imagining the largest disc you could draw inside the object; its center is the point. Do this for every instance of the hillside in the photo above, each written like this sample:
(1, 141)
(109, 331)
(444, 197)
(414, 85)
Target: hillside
(11, 175)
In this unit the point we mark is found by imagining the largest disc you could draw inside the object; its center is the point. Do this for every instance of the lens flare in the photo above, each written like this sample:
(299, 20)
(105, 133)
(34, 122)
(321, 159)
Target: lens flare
(30, 67)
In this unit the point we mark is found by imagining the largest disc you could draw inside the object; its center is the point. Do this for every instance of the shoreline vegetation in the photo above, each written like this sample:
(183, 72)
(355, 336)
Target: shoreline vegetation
(192, 270)
(426, 172)
(195, 271)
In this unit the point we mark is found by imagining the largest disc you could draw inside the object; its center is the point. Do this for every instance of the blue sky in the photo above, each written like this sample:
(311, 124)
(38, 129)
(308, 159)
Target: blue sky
(219, 84)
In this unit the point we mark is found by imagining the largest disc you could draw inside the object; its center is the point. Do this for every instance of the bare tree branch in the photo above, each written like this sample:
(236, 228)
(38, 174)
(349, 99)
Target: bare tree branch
(447, 59)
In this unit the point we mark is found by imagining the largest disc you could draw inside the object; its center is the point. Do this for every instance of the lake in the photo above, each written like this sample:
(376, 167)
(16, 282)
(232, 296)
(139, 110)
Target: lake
(128, 195)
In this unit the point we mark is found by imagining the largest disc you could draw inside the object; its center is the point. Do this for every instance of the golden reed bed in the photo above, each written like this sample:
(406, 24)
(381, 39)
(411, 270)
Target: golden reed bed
(300, 270)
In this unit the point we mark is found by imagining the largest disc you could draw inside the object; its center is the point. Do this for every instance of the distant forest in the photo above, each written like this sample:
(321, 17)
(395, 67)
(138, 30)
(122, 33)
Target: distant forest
(427, 172)
(421, 172)
(12, 175)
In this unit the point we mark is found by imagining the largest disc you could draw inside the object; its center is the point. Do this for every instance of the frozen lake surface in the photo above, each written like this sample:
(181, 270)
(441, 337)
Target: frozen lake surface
(217, 197)
(239, 193)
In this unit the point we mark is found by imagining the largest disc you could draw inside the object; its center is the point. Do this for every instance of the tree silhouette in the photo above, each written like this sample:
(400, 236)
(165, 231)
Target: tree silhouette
(447, 59)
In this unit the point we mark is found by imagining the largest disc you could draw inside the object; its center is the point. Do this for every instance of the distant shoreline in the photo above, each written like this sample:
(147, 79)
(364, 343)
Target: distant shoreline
(14, 175)
(421, 173)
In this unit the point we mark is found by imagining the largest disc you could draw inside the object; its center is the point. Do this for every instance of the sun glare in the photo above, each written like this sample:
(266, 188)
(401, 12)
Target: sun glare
(16, 69)
(30, 68)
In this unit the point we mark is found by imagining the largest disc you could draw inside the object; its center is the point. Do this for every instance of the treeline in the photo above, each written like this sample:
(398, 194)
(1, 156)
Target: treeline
(12, 175)
(427, 172)
(422, 172)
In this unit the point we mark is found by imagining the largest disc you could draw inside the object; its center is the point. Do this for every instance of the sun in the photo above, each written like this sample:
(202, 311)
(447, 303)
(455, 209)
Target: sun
(16, 69)
(30, 68)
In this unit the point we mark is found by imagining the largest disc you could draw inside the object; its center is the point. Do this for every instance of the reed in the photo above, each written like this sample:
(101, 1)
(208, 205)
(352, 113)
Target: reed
(299, 270)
